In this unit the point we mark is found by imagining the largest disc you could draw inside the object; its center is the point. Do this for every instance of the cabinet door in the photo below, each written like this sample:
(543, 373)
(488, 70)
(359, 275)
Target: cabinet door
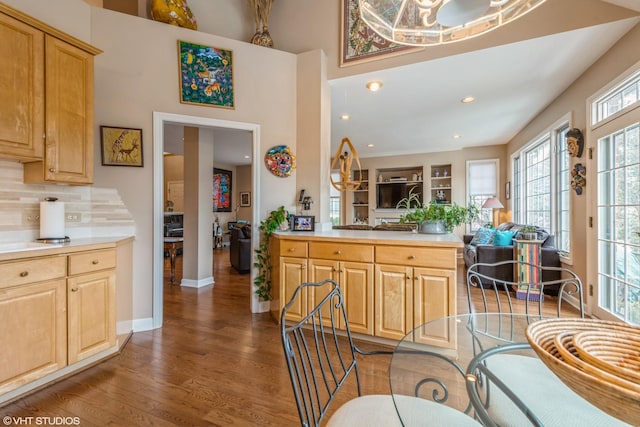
(91, 314)
(356, 282)
(293, 272)
(434, 296)
(394, 301)
(22, 83)
(68, 153)
(319, 270)
(34, 332)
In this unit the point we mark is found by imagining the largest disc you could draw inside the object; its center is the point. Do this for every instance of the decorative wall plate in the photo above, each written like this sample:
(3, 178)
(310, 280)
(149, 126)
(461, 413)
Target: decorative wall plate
(280, 161)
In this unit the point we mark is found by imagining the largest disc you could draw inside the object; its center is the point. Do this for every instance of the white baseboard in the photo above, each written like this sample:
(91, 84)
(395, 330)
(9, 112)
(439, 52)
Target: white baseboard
(200, 283)
(141, 325)
(124, 327)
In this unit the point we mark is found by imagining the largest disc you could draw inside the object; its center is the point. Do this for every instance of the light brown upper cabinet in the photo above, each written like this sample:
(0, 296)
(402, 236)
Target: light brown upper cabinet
(48, 119)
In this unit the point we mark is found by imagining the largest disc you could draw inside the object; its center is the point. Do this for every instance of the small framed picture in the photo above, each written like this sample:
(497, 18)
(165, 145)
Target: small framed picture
(507, 190)
(121, 146)
(303, 223)
(245, 199)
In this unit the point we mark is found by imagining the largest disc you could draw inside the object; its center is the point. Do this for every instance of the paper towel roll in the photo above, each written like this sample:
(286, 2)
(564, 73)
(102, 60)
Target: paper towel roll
(51, 220)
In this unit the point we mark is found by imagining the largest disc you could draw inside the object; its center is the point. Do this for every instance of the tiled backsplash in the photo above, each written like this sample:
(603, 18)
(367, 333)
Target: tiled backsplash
(100, 211)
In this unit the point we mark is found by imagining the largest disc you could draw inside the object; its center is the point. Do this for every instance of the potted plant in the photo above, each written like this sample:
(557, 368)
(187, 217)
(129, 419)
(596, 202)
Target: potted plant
(434, 217)
(528, 232)
(263, 254)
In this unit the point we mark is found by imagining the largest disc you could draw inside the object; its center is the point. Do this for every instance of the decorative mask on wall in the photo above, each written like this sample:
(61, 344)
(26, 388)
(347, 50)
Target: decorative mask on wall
(579, 178)
(280, 161)
(575, 142)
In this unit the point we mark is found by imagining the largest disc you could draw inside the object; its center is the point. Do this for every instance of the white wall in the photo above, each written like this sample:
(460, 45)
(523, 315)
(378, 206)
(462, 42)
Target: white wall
(138, 74)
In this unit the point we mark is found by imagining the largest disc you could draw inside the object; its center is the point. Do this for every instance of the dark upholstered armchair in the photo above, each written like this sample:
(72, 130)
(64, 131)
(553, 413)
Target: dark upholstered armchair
(240, 248)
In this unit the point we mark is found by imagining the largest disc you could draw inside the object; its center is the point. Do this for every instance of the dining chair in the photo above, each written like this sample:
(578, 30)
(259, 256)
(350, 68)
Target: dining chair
(506, 374)
(321, 356)
(499, 295)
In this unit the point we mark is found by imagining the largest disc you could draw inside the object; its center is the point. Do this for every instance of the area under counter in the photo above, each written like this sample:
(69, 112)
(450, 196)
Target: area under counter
(392, 281)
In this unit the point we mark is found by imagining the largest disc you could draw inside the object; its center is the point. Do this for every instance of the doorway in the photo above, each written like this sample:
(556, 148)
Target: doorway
(159, 121)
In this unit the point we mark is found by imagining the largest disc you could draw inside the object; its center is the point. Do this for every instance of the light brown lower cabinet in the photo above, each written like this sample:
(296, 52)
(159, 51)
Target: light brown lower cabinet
(91, 317)
(356, 284)
(34, 332)
(54, 311)
(407, 297)
(388, 289)
(293, 272)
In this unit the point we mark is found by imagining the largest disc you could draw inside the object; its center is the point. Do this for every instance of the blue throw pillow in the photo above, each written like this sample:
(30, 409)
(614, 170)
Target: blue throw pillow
(484, 236)
(503, 238)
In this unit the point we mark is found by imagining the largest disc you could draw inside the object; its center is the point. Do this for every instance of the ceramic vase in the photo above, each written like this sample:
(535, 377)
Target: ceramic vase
(262, 38)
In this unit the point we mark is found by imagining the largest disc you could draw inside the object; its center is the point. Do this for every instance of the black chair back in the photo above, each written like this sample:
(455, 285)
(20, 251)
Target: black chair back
(320, 356)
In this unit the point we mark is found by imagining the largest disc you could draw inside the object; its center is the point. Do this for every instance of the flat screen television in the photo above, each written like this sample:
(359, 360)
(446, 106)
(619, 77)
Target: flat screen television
(389, 194)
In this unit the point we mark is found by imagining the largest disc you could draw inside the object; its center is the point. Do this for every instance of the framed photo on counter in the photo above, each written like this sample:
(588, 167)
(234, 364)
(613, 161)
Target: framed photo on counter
(303, 223)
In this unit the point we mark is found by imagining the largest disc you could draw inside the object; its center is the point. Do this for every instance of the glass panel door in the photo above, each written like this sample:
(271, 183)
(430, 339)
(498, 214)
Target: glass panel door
(618, 229)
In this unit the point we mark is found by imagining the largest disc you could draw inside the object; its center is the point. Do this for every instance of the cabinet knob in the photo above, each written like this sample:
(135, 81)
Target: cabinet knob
(408, 277)
(338, 252)
(52, 170)
(292, 249)
(74, 289)
(412, 257)
(24, 274)
(95, 262)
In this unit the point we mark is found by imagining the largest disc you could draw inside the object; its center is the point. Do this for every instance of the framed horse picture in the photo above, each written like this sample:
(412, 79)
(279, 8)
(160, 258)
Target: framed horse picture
(121, 146)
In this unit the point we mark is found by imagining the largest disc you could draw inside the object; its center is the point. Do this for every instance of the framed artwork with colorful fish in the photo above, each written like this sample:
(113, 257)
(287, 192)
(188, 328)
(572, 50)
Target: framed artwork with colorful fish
(206, 75)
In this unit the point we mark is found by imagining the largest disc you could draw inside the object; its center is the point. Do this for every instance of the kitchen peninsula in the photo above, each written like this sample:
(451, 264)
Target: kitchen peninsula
(392, 281)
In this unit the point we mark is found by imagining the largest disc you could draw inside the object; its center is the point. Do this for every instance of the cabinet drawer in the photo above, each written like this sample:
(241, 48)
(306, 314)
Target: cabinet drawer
(32, 270)
(417, 256)
(91, 261)
(293, 248)
(340, 251)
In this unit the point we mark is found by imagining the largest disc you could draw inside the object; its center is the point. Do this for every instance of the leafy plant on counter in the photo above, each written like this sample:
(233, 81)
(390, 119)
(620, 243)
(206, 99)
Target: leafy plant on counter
(263, 254)
(450, 215)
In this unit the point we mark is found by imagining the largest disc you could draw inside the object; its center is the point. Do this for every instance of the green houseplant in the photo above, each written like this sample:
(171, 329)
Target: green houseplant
(263, 254)
(449, 216)
(528, 232)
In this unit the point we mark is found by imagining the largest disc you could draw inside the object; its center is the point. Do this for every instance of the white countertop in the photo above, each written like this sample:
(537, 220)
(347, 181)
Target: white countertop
(376, 236)
(15, 250)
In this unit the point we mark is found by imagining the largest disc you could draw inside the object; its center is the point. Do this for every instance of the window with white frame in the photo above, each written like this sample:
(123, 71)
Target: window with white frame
(541, 185)
(482, 184)
(334, 202)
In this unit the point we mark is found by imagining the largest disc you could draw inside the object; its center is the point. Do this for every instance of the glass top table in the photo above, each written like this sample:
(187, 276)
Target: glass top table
(512, 386)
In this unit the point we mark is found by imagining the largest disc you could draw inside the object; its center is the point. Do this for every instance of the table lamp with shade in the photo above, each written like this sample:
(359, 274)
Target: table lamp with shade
(492, 203)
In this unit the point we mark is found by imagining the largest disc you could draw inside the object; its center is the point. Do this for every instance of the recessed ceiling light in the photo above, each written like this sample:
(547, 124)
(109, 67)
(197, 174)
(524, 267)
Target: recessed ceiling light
(456, 136)
(247, 157)
(374, 85)
(467, 99)
(345, 117)
(370, 145)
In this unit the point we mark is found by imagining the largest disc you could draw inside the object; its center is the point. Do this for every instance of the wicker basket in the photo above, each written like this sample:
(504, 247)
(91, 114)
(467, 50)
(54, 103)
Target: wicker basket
(553, 341)
(612, 352)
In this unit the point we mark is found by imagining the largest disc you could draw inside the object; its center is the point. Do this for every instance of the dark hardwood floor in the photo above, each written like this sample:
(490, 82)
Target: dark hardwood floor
(212, 363)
